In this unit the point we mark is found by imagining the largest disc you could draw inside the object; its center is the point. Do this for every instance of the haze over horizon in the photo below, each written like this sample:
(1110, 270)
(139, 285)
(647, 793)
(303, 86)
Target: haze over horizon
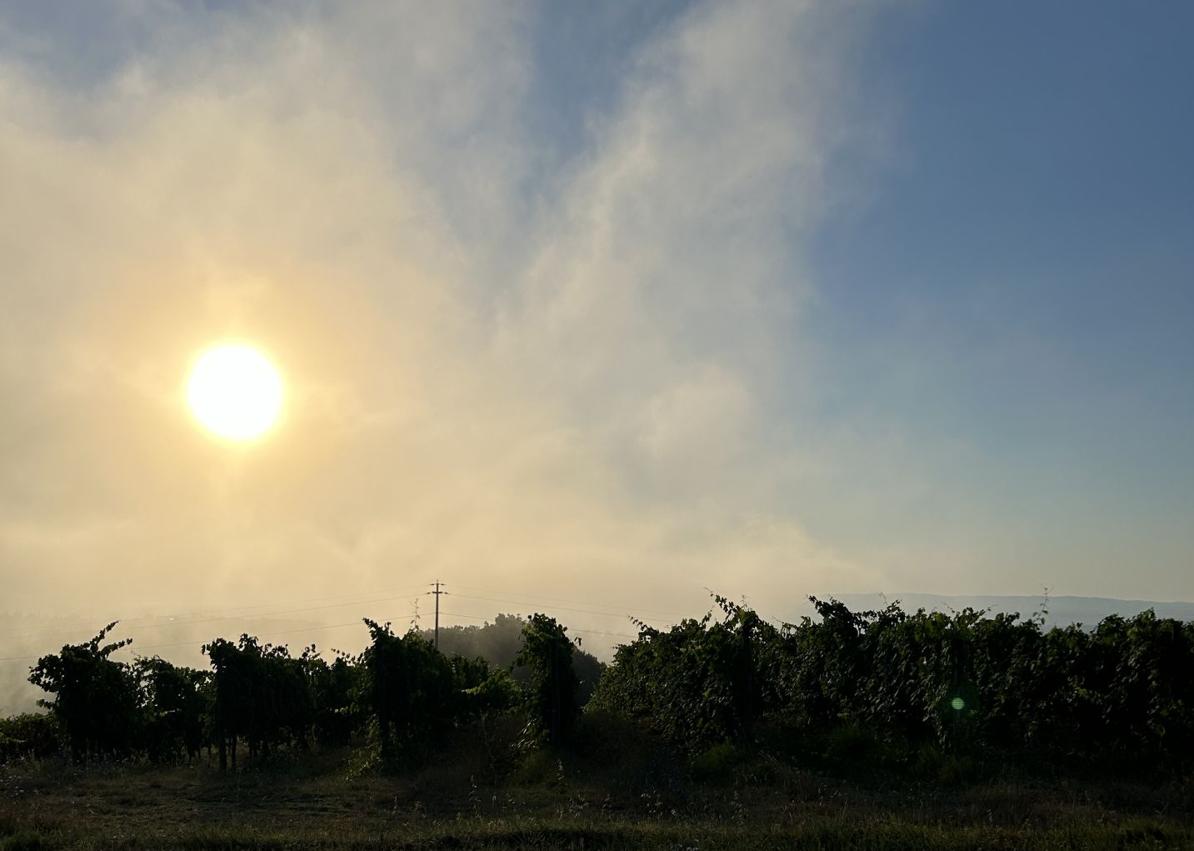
(610, 304)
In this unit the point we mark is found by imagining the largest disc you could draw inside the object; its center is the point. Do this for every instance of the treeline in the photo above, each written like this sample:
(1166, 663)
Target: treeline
(895, 683)
(966, 682)
(257, 698)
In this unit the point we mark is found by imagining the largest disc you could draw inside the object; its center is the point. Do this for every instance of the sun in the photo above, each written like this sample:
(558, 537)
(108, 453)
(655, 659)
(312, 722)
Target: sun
(235, 392)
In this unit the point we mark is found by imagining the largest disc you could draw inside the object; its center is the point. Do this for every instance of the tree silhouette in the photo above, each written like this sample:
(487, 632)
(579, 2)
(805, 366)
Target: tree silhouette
(174, 706)
(95, 698)
(964, 682)
(410, 688)
(552, 692)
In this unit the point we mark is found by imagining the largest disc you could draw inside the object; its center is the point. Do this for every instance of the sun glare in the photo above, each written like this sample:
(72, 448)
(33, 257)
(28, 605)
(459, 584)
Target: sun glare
(235, 392)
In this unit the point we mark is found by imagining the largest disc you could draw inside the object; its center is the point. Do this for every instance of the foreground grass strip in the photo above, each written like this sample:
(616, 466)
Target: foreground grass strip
(823, 835)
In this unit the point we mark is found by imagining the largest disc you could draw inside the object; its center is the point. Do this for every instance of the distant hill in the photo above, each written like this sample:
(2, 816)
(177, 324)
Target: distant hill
(498, 644)
(1059, 611)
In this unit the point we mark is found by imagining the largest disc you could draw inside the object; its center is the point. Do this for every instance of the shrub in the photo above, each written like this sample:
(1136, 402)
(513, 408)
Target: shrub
(29, 736)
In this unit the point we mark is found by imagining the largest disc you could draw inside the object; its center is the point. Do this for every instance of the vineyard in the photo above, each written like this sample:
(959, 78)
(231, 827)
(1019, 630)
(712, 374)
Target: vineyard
(727, 701)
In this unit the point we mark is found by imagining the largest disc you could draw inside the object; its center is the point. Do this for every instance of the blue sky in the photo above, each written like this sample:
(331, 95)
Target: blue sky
(1020, 274)
(778, 298)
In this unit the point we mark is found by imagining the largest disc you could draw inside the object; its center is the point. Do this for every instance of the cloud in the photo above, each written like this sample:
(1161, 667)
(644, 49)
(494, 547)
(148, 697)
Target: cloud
(559, 379)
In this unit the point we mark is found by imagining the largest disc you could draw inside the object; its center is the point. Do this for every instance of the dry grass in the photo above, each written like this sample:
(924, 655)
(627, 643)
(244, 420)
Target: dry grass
(323, 802)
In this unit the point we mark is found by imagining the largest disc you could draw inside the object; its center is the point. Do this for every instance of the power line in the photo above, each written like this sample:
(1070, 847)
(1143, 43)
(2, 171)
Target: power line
(145, 623)
(437, 591)
(610, 614)
(244, 611)
(557, 603)
(201, 643)
(586, 631)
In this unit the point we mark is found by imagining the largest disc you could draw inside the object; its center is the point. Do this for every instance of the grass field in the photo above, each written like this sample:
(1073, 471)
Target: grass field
(327, 801)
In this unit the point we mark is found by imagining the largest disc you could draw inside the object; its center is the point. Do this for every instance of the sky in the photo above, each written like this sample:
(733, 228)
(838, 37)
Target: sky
(606, 304)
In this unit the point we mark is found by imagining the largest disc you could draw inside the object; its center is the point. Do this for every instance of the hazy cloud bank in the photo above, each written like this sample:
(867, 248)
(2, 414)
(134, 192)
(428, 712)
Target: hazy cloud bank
(508, 366)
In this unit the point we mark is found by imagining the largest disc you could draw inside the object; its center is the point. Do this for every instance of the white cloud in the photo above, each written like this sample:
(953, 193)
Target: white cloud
(499, 376)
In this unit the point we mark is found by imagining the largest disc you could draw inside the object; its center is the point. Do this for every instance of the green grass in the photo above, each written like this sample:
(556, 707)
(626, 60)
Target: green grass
(581, 802)
(589, 833)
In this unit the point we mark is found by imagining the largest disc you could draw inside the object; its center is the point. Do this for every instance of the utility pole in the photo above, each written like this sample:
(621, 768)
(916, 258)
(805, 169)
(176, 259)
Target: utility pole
(438, 586)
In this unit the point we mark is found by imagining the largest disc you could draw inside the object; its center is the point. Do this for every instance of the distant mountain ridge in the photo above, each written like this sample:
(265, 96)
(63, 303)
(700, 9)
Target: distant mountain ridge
(1059, 611)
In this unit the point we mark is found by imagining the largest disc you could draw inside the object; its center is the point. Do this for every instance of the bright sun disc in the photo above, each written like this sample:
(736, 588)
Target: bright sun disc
(235, 392)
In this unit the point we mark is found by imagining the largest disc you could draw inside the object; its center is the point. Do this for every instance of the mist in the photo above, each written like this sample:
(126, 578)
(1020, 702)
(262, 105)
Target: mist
(550, 347)
(504, 368)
